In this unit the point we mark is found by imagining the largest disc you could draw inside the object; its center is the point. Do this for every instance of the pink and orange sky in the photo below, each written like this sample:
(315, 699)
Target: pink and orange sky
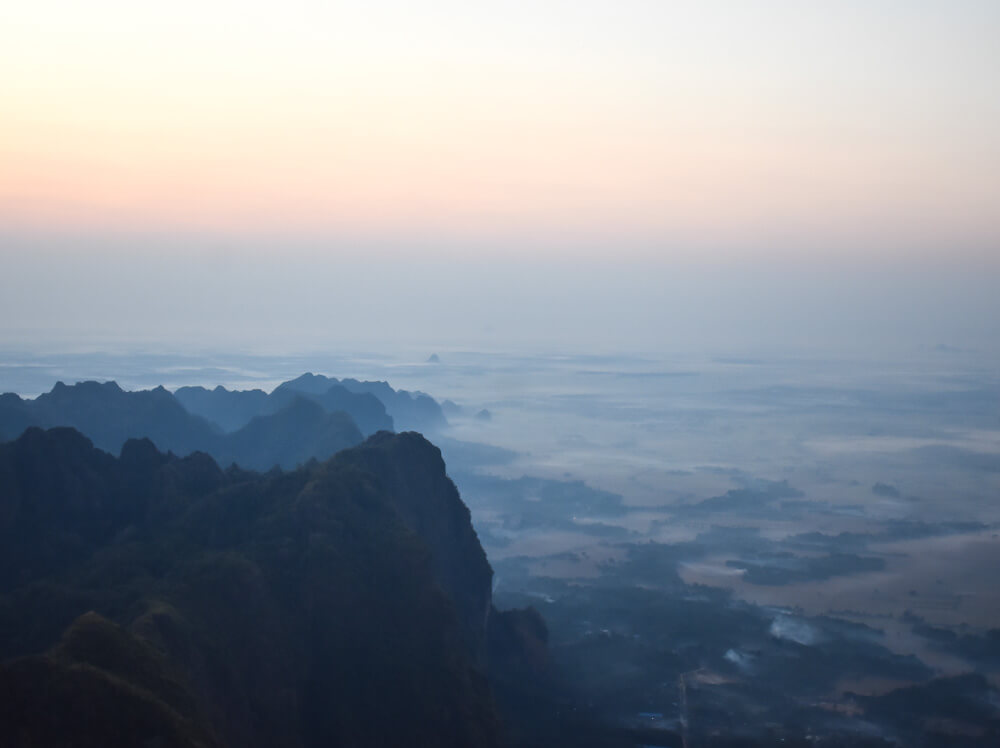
(656, 127)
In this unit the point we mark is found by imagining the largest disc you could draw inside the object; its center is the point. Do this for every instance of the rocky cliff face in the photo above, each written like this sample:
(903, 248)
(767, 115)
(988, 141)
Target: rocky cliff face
(412, 472)
(339, 604)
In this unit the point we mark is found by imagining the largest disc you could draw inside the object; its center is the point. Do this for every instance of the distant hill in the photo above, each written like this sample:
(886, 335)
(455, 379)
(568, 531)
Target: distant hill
(156, 600)
(368, 412)
(233, 409)
(109, 416)
(230, 409)
(374, 406)
(411, 411)
(299, 430)
(252, 428)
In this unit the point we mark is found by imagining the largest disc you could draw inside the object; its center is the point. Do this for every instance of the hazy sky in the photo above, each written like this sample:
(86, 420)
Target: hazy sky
(159, 162)
(654, 126)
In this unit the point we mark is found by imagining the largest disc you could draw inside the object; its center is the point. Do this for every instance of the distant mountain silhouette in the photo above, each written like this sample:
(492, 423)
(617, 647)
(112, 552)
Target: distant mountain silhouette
(233, 409)
(414, 411)
(156, 600)
(411, 411)
(109, 416)
(230, 409)
(374, 406)
(298, 430)
(368, 412)
(451, 408)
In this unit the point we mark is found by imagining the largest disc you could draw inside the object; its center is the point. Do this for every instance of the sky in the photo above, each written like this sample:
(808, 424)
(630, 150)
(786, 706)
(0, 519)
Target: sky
(723, 134)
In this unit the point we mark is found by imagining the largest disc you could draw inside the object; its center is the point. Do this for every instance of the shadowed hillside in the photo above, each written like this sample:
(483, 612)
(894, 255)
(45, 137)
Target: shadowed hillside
(232, 608)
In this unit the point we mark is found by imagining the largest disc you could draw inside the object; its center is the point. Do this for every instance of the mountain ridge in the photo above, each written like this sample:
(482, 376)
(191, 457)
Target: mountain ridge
(298, 431)
(293, 608)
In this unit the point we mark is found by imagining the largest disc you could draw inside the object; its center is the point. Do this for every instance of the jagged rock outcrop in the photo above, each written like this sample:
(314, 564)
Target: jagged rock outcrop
(412, 471)
(299, 608)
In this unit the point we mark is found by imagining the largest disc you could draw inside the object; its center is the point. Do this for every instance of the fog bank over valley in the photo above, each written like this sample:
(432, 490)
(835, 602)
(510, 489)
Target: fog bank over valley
(729, 523)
